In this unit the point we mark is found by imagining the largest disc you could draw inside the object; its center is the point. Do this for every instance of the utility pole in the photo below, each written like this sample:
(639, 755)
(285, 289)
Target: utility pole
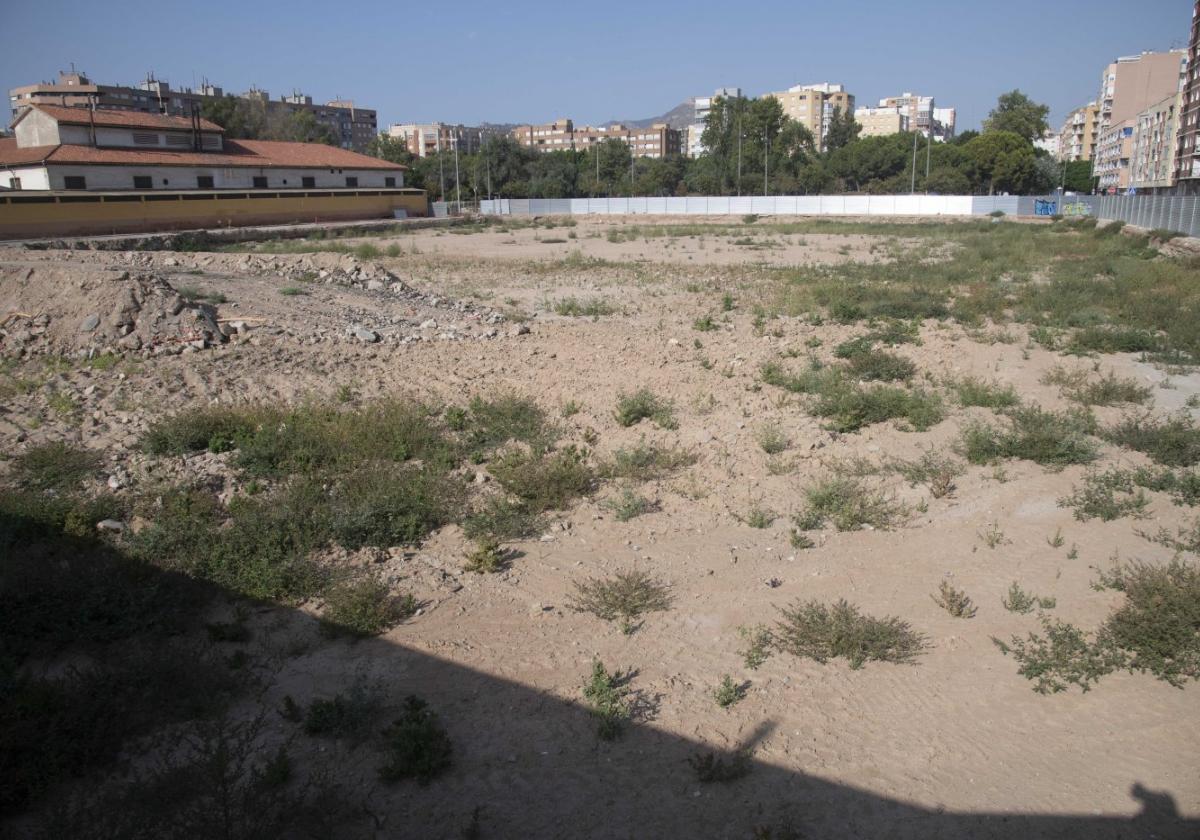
(913, 188)
(928, 152)
(766, 158)
(441, 166)
(457, 183)
(739, 169)
(488, 164)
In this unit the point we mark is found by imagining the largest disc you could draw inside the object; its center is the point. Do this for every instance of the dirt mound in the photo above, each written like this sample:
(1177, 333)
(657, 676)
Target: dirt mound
(58, 310)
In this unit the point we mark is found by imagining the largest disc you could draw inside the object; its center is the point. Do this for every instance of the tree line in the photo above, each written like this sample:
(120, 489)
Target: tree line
(753, 148)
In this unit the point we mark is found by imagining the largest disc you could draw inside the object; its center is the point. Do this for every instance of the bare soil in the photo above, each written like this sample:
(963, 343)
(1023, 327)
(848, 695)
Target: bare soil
(954, 745)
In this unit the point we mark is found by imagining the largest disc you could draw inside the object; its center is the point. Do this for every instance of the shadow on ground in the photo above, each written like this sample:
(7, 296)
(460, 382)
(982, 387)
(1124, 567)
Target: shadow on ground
(526, 763)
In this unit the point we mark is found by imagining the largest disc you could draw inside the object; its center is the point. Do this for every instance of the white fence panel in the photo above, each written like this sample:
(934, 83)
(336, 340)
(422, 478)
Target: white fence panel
(858, 205)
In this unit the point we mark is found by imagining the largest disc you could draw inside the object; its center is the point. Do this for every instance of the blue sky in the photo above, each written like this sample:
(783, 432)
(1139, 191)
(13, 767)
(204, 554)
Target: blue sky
(514, 60)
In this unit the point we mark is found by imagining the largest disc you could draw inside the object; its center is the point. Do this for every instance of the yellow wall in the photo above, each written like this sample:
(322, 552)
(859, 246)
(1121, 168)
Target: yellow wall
(77, 214)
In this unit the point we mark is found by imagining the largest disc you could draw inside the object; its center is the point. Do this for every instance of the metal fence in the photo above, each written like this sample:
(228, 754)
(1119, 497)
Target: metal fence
(1164, 212)
(1176, 213)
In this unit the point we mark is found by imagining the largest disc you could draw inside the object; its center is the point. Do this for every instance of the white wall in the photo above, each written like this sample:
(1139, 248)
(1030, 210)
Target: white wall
(184, 177)
(32, 177)
(37, 129)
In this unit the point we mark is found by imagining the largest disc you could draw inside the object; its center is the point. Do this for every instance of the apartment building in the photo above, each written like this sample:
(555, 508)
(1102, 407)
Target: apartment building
(880, 122)
(1187, 147)
(1079, 133)
(352, 127)
(701, 106)
(945, 121)
(1050, 143)
(425, 139)
(1153, 146)
(1110, 163)
(918, 109)
(813, 106)
(656, 141)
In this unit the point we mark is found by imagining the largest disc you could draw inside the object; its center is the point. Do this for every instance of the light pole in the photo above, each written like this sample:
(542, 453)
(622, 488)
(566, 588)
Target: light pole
(766, 158)
(913, 188)
(457, 183)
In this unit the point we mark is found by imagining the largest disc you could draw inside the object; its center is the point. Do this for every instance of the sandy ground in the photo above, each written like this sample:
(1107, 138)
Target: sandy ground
(955, 745)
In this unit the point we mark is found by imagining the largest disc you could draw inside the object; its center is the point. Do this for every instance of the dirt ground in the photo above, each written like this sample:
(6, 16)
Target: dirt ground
(956, 744)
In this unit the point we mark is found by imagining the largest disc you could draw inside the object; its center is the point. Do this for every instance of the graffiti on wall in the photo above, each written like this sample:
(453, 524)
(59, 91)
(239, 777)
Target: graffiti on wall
(1046, 207)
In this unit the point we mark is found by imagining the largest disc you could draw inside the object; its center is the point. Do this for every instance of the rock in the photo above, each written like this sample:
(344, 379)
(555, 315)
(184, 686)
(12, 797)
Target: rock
(429, 325)
(110, 525)
(375, 286)
(131, 342)
(89, 323)
(114, 483)
(366, 336)
(520, 329)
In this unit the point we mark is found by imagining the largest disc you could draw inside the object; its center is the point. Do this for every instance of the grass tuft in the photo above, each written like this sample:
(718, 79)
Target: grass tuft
(817, 631)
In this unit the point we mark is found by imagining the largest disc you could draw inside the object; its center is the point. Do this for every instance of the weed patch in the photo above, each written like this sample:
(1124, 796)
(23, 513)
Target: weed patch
(1106, 495)
(816, 631)
(625, 597)
(1048, 438)
(848, 504)
(645, 405)
(415, 745)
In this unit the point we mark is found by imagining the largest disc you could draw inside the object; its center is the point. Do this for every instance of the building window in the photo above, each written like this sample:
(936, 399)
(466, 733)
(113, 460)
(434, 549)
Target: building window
(260, 182)
(389, 182)
(143, 182)
(204, 182)
(14, 183)
(308, 181)
(351, 182)
(165, 182)
(74, 182)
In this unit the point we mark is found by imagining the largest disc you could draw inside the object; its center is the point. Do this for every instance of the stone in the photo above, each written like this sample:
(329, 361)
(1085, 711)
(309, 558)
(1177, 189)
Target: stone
(90, 323)
(366, 336)
(131, 342)
(375, 286)
(112, 526)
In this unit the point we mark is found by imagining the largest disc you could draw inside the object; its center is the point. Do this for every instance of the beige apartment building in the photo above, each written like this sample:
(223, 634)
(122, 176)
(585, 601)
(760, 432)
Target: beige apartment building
(352, 127)
(1079, 133)
(656, 141)
(813, 105)
(425, 139)
(1152, 149)
(1129, 86)
(1187, 147)
(880, 122)
(919, 110)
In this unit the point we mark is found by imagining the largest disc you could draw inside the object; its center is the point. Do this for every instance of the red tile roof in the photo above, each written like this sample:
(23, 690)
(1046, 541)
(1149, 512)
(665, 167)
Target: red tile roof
(256, 154)
(119, 119)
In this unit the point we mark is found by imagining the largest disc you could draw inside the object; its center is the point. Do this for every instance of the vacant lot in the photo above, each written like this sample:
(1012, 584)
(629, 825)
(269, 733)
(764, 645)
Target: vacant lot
(609, 528)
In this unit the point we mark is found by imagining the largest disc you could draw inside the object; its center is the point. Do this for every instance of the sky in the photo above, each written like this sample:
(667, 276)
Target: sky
(517, 61)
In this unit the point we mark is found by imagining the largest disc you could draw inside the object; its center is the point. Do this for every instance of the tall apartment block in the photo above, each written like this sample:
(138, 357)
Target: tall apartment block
(1153, 146)
(813, 105)
(945, 121)
(1187, 148)
(923, 114)
(1079, 133)
(353, 127)
(657, 141)
(1129, 86)
(425, 139)
(880, 122)
(701, 106)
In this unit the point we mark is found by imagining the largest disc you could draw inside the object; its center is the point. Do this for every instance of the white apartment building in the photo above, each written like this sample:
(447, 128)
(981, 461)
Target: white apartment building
(701, 106)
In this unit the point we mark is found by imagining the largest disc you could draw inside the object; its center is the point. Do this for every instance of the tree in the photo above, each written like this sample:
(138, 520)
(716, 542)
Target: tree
(391, 149)
(1079, 176)
(298, 127)
(948, 181)
(843, 130)
(1019, 114)
(1000, 160)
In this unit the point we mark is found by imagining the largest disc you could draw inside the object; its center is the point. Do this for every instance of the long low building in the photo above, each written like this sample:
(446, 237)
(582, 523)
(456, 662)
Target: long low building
(69, 148)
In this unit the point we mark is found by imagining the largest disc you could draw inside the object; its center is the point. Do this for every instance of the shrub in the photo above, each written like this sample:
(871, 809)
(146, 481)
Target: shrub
(727, 692)
(647, 461)
(629, 505)
(759, 642)
(386, 506)
(549, 482)
(625, 597)
(847, 503)
(214, 428)
(710, 767)
(1063, 656)
(1109, 389)
(416, 745)
(56, 466)
(502, 518)
(573, 307)
(486, 557)
(348, 715)
(850, 407)
(1018, 600)
(1106, 496)
(1034, 434)
(705, 323)
(932, 469)
(853, 347)
(881, 366)
(972, 391)
(365, 607)
(606, 695)
(1107, 339)
(1182, 485)
(816, 631)
(490, 423)
(1174, 441)
(772, 439)
(645, 405)
(954, 601)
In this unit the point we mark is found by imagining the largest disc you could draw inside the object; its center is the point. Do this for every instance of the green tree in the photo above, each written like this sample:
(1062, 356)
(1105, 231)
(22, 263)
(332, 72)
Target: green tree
(1000, 160)
(392, 149)
(1079, 176)
(843, 130)
(1019, 114)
